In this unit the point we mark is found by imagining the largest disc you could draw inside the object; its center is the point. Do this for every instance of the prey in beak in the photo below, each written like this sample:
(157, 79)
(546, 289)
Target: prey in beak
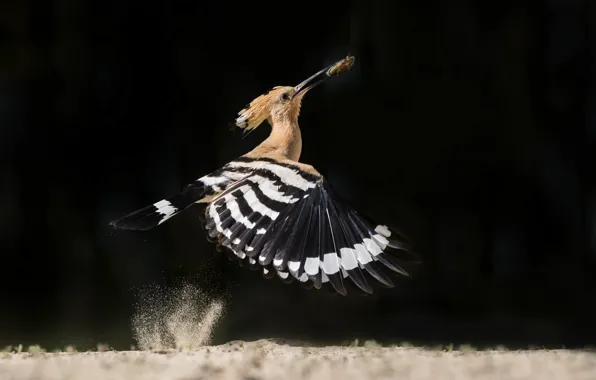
(285, 100)
(321, 76)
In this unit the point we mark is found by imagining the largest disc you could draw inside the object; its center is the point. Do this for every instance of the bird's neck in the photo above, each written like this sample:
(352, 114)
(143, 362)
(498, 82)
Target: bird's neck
(285, 139)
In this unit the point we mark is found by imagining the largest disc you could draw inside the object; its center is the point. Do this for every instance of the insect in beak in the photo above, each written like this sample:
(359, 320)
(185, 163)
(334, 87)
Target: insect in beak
(323, 75)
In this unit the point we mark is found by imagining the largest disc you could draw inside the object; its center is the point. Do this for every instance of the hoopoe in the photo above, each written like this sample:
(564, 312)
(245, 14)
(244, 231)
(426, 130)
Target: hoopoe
(279, 215)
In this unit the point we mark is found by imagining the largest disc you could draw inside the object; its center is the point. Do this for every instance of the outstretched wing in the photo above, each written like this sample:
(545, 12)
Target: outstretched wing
(288, 221)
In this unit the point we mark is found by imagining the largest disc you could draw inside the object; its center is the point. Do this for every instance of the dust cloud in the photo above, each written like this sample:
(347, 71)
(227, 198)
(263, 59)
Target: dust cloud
(175, 317)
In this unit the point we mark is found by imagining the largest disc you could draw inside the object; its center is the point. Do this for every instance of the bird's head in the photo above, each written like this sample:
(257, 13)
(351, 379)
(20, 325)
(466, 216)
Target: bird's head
(283, 102)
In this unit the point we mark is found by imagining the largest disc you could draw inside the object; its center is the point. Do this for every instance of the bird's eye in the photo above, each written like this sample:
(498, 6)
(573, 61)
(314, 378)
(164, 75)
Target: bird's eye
(285, 96)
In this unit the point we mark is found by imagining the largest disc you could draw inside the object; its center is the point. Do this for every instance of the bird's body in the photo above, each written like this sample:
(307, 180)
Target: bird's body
(279, 214)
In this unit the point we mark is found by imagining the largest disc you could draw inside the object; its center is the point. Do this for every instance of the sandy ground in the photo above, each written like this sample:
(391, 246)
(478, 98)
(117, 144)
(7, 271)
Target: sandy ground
(266, 359)
(173, 329)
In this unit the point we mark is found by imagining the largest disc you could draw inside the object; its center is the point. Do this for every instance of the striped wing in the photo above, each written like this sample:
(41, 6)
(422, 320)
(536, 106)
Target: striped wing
(289, 222)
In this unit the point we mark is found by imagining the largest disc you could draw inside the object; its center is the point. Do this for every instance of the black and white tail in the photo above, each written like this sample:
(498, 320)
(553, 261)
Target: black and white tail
(201, 190)
(157, 213)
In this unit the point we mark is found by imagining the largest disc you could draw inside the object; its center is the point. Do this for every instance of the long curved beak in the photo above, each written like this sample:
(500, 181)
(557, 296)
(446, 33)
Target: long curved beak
(321, 76)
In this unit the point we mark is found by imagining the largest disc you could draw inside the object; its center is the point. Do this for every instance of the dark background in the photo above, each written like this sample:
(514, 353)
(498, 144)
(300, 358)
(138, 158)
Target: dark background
(470, 125)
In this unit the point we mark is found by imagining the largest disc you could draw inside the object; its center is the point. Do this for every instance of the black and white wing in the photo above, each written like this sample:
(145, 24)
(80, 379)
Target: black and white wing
(287, 221)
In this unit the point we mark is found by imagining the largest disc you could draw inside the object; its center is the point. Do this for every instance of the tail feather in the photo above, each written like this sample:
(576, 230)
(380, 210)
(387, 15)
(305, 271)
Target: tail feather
(151, 216)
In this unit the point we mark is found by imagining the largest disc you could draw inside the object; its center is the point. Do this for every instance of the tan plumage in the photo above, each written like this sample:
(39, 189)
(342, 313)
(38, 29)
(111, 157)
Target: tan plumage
(280, 106)
(285, 140)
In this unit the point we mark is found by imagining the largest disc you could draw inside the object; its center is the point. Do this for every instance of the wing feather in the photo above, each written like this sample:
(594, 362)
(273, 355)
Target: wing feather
(309, 252)
(290, 224)
(365, 258)
(349, 255)
(290, 254)
(330, 264)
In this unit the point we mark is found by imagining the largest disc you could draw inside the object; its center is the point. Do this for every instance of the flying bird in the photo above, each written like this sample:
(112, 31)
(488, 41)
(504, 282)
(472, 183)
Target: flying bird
(281, 216)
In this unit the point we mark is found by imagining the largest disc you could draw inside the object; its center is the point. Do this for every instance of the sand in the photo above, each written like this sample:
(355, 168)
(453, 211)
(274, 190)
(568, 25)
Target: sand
(180, 316)
(266, 359)
(173, 329)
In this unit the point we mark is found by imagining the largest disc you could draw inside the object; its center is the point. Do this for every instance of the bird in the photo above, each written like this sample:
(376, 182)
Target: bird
(281, 216)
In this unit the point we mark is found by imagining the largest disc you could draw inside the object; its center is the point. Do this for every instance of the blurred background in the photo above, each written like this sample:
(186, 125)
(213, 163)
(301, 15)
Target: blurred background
(469, 125)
